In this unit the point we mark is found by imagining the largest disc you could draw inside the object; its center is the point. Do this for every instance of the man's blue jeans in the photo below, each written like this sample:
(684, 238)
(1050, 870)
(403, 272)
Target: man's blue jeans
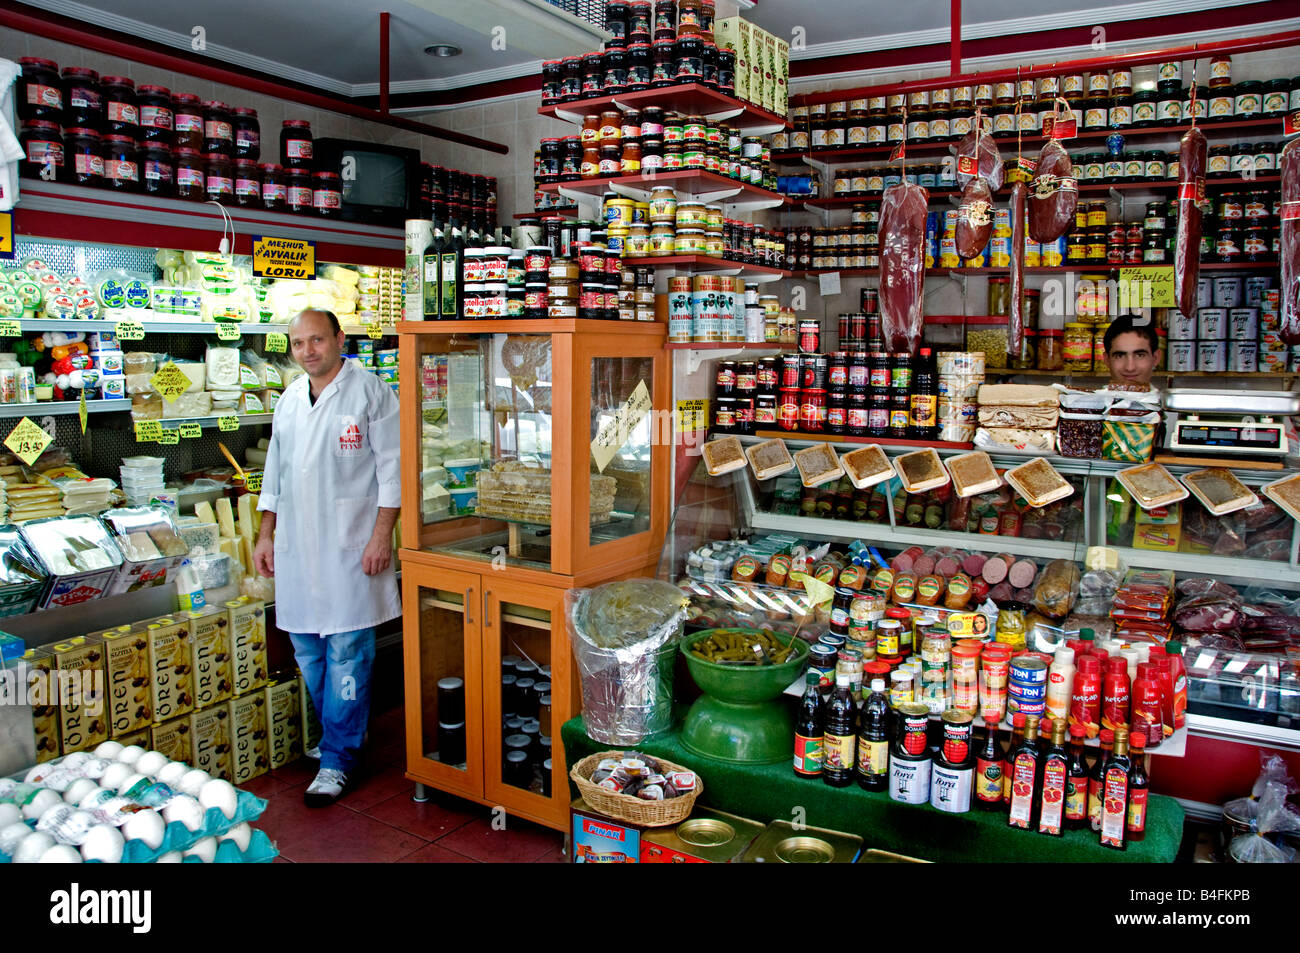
(336, 669)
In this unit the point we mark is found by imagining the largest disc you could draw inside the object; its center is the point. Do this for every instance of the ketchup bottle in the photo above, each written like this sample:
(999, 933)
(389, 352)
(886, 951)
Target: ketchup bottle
(1115, 694)
(1147, 719)
(1085, 697)
(1164, 667)
(1175, 651)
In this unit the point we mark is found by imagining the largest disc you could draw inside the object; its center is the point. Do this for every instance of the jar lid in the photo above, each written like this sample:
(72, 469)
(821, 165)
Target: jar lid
(296, 124)
(220, 157)
(37, 61)
(216, 104)
(155, 91)
(328, 175)
(187, 98)
(246, 162)
(245, 111)
(185, 151)
(40, 124)
(265, 166)
(545, 139)
(130, 139)
(80, 71)
(497, 250)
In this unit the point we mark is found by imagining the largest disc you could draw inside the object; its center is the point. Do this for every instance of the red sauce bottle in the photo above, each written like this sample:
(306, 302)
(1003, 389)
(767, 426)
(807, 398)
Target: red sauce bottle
(1135, 825)
(1179, 673)
(1116, 779)
(1146, 707)
(1097, 777)
(1085, 697)
(1056, 781)
(1076, 788)
(1025, 778)
(1115, 694)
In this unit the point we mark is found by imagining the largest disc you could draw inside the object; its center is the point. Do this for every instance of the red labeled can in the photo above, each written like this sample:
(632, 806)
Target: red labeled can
(787, 409)
(791, 372)
(814, 371)
(858, 419)
(913, 723)
(957, 725)
(810, 337)
(812, 410)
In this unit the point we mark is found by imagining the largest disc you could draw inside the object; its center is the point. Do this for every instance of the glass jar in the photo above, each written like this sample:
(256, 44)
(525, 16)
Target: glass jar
(327, 194)
(571, 163)
(1219, 162)
(218, 178)
(187, 122)
(298, 192)
(248, 134)
(218, 130)
(571, 81)
(158, 169)
(40, 93)
(593, 74)
(1222, 105)
(1249, 100)
(1096, 113)
(1169, 106)
(1277, 98)
(155, 112)
(1121, 112)
(665, 19)
(616, 23)
(1026, 358)
(1265, 157)
(710, 64)
(83, 156)
(614, 75)
(190, 184)
(552, 159)
(552, 78)
(121, 163)
(248, 184)
(121, 109)
(274, 192)
(611, 157)
(727, 72)
(688, 58)
(630, 160)
(82, 98)
(663, 63)
(297, 147)
(1144, 109)
(1051, 354)
(42, 146)
(640, 67)
(1077, 348)
(639, 22)
(590, 165)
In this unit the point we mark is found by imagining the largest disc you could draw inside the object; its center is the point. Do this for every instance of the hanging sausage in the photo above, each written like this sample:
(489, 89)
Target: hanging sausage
(1192, 152)
(903, 211)
(1053, 194)
(1290, 241)
(974, 218)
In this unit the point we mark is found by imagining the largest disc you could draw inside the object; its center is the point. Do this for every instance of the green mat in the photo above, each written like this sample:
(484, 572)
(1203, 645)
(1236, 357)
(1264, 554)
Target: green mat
(772, 792)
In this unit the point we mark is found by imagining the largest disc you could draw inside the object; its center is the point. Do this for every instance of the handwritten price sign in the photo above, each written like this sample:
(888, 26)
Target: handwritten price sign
(170, 382)
(1149, 287)
(28, 441)
(10, 329)
(277, 343)
(147, 430)
(169, 438)
(615, 431)
(253, 481)
(130, 331)
(228, 422)
(374, 331)
(227, 331)
(190, 429)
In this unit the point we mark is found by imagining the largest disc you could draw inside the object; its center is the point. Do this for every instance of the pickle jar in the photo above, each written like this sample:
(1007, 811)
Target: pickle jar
(248, 134)
(1051, 355)
(297, 149)
(218, 130)
(158, 169)
(190, 185)
(83, 102)
(274, 191)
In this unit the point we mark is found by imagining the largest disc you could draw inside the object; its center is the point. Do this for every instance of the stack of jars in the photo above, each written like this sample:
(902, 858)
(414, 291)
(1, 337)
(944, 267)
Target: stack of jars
(873, 180)
(651, 45)
(449, 195)
(666, 227)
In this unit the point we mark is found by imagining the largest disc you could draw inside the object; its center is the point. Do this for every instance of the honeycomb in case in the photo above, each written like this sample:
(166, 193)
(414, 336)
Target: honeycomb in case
(171, 666)
(248, 733)
(247, 633)
(284, 721)
(210, 741)
(79, 668)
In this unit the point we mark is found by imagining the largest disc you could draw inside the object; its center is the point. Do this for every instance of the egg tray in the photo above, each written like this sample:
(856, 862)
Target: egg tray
(260, 851)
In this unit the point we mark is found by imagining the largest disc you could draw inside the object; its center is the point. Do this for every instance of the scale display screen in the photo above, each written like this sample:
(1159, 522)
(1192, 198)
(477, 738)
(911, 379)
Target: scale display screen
(1242, 436)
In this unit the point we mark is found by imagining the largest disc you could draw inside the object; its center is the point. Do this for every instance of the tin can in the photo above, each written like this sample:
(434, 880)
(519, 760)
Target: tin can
(913, 725)
(1256, 286)
(814, 368)
(791, 371)
(909, 778)
(1181, 357)
(1027, 687)
(1212, 356)
(950, 786)
(957, 727)
(810, 337)
(1212, 324)
(1243, 324)
(1227, 291)
(1243, 357)
(1181, 326)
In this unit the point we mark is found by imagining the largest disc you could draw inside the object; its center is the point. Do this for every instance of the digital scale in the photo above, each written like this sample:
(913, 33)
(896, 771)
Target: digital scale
(1233, 422)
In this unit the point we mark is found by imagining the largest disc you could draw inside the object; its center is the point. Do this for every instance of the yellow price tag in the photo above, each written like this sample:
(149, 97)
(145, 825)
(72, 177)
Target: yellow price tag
(10, 329)
(190, 429)
(28, 441)
(818, 590)
(228, 422)
(283, 258)
(82, 411)
(692, 415)
(1148, 287)
(374, 331)
(170, 381)
(226, 331)
(147, 430)
(130, 331)
(277, 343)
(253, 481)
(169, 438)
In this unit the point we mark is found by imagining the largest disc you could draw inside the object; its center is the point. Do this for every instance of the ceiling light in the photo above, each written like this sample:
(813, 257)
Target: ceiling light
(442, 50)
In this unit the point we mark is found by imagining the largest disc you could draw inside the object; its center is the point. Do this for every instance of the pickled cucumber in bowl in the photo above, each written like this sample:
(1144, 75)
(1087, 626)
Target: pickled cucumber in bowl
(621, 614)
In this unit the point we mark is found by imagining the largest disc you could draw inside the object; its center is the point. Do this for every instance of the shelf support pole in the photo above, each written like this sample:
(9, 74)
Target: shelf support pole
(954, 27)
(384, 18)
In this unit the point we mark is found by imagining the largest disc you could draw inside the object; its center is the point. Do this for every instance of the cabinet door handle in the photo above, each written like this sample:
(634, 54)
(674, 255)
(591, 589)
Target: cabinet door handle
(487, 613)
(469, 595)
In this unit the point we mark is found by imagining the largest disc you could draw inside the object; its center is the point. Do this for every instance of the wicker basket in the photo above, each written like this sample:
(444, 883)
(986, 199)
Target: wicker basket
(626, 807)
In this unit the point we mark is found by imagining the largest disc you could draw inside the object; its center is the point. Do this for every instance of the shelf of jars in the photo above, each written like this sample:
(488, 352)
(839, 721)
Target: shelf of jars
(726, 346)
(708, 187)
(696, 264)
(688, 99)
(822, 158)
(1036, 270)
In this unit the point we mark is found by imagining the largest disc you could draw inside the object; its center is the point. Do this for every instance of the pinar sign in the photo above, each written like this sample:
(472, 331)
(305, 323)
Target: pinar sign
(283, 258)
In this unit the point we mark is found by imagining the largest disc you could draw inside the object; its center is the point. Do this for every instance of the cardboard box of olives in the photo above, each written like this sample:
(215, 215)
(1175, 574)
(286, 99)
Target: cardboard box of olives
(210, 741)
(247, 633)
(283, 721)
(172, 738)
(130, 692)
(83, 716)
(248, 737)
(213, 660)
(171, 665)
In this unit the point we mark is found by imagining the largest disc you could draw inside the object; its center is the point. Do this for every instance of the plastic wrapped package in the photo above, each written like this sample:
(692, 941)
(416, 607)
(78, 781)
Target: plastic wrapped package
(1053, 194)
(188, 405)
(974, 218)
(21, 576)
(979, 146)
(624, 636)
(1289, 166)
(903, 213)
(150, 544)
(1192, 161)
(222, 368)
(1057, 588)
(78, 552)
(1213, 608)
(1273, 819)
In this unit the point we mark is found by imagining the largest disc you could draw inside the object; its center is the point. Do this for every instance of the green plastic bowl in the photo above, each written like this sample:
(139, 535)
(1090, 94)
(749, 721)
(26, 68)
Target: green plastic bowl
(742, 684)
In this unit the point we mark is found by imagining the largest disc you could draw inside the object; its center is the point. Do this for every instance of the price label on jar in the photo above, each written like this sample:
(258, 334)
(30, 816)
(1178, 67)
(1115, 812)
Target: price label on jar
(10, 329)
(227, 331)
(228, 422)
(147, 430)
(170, 437)
(170, 381)
(130, 331)
(277, 343)
(190, 429)
(28, 441)
(374, 331)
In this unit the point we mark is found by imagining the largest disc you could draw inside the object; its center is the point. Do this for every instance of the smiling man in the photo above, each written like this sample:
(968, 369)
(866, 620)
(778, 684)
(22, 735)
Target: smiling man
(1131, 345)
(330, 497)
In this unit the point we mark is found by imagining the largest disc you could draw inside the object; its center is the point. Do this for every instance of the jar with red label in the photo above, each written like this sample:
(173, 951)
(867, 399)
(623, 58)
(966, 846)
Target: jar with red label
(296, 145)
(274, 191)
(327, 194)
(787, 409)
(812, 410)
(40, 96)
(190, 175)
(155, 114)
(298, 197)
(121, 163)
(218, 129)
(248, 134)
(42, 150)
(187, 122)
(157, 169)
(218, 178)
(83, 103)
(121, 109)
(248, 184)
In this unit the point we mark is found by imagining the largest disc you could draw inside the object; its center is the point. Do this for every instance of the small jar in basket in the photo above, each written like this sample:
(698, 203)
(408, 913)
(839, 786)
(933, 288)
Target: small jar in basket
(637, 788)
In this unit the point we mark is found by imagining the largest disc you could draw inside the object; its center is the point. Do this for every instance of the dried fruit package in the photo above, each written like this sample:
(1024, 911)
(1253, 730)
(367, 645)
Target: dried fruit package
(1289, 165)
(902, 265)
(1053, 194)
(1192, 161)
(979, 146)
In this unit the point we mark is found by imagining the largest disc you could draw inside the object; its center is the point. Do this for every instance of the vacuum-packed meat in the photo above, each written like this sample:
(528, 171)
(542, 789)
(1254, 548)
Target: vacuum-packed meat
(1192, 157)
(979, 146)
(1016, 311)
(902, 265)
(1289, 164)
(1053, 194)
(974, 218)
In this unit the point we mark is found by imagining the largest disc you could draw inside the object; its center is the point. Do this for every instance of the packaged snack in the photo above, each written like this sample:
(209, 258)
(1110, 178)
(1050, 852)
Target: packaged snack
(1151, 485)
(1038, 483)
(867, 466)
(973, 473)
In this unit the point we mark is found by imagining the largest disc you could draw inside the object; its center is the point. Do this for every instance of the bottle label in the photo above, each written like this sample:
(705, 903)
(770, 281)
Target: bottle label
(273, 192)
(1094, 804)
(157, 171)
(298, 148)
(122, 112)
(807, 755)
(247, 138)
(1053, 800)
(1114, 807)
(121, 169)
(220, 185)
(327, 198)
(1137, 811)
(873, 758)
(838, 752)
(190, 177)
(988, 781)
(1076, 799)
(1022, 791)
(247, 187)
(45, 96)
(447, 295)
(299, 196)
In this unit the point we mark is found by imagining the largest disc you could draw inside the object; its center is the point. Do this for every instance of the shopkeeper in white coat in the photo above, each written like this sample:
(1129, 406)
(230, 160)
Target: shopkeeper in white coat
(330, 497)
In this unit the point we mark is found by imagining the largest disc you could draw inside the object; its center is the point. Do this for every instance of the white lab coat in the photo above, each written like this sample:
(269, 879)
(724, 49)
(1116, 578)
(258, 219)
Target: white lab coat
(329, 467)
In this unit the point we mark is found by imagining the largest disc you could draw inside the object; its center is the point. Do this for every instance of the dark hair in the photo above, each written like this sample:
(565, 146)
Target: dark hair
(330, 315)
(1131, 324)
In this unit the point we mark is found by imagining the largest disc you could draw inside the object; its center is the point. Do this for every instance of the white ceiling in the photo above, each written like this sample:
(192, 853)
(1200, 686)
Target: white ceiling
(334, 44)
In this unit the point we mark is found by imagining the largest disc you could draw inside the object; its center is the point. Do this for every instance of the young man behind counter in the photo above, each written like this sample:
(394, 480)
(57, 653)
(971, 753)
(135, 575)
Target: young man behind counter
(1131, 350)
(330, 498)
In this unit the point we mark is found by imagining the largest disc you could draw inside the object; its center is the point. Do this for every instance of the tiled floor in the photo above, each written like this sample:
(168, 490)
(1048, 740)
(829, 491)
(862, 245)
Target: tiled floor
(377, 822)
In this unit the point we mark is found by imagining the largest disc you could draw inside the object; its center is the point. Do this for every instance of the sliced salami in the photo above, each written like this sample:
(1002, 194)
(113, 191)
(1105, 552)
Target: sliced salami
(1022, 573)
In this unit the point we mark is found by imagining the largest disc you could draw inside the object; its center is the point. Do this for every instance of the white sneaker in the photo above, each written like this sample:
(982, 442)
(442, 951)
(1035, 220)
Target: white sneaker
(326, 789)
(313, 752)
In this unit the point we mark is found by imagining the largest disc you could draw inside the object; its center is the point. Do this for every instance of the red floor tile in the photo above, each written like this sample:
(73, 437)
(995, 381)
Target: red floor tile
(379, 785)
(301, 771)
(556, 856)
(354, 839)
(289, 822)
(433, 854)
(264, 786)
(430, 820)
(520, 842)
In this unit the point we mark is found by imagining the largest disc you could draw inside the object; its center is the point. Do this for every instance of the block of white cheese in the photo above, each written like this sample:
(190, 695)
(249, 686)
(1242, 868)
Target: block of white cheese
(222, 368)
(225, 518)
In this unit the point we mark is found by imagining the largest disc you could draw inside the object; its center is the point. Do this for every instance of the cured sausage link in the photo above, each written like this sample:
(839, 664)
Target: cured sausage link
(974, 218)
(1192, 151)
(1053, 194)
(1016, 313)
(902, 264)
(1290, 242)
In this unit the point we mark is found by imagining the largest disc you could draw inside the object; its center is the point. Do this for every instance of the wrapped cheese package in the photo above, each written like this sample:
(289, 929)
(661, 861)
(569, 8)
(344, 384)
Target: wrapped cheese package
(222, 368)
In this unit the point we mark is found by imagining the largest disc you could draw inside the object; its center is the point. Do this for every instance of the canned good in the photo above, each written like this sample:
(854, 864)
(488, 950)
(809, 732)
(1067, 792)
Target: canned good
(1227, 291)
(810, 336)
(950, 786)
(1181, 357)
(1027, 686)
(909, 778)
(1181, 327)
(913, 727)
(1212, 356)
(1212, 324)
(957, 727)
(1243, 324)
(1243, 357)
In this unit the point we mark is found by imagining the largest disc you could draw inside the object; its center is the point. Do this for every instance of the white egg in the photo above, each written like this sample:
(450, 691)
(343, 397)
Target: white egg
(38, 774)
(103, 842)
(151, 762)
(41, 802)
(130, 781)
(109, 749)
(75, 760)
(130, 754)
(95, 798)
(95, 768)
(184, 809)
(241, 834)
(79, 789)
(60, 854)
(219, 794)
(9, 814)
(171, 857)
(32, 847)
(192, 781)
(10, 835)
(205, 850)
(115, 774)
(146, 826)
(172, 772)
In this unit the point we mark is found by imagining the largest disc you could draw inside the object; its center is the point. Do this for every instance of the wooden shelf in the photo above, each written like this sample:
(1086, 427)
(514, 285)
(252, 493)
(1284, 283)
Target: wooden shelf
(548, 213)
(844, 438)
(706, 263)
(727, 346)
(707, 186)
(689, 99)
